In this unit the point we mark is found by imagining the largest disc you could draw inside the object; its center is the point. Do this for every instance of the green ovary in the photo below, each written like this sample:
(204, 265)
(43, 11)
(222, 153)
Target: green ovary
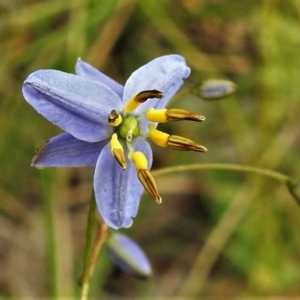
(129, 128)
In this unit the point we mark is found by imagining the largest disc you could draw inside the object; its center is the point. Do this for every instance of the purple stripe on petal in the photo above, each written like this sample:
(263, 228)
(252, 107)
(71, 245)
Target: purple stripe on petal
(77, 105)
(118, 192)
(66, 151)
(86, 70)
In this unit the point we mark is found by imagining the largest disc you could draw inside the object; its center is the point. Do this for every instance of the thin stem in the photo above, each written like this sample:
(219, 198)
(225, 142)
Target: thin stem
(90, 230)
(50, 231)
(219, 166)
(91, 251)
(100, 238)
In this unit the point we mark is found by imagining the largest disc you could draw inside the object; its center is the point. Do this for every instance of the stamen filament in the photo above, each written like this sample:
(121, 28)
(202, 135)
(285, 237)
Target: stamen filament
(141, 97)
(158, 137)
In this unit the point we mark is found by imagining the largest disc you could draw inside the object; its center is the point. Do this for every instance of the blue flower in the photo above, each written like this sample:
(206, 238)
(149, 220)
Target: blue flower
(106, 125)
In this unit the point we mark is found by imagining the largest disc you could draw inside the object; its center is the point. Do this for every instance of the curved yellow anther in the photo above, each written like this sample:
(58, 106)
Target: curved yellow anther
(158, 137)
(141, 97)
(117, 151)
(144, 175)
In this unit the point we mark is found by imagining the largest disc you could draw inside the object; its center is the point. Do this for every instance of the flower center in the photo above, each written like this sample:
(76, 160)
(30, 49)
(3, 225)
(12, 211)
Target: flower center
(129, 128)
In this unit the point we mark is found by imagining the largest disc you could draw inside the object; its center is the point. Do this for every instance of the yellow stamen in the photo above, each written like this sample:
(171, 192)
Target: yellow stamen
(158, 137)
(114, 118)
(141, 97)
(176, 142)
(144, 175)
(117, 151)
(172, 115)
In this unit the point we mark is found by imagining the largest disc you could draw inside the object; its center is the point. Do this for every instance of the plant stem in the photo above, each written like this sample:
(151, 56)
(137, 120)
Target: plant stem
(91, 252)
(220, 166)
(48, 211)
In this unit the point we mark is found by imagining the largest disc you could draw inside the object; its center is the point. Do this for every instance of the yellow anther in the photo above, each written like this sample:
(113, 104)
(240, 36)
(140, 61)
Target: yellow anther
(158, 137)
(176, 114)
(144, 175)
(117, 151)
(149, 184)
(172, 115)
(180, 143)
(114, 118)
(141, 97)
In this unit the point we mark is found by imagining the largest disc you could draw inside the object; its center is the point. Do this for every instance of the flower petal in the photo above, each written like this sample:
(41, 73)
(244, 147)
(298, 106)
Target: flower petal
(66, 151)
(118, 192)
(86, 70)
(165, 74)
(128, 255)
(77, 105)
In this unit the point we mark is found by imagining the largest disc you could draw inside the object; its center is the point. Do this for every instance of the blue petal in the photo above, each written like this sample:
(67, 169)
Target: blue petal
(66, 151)
(165, 73)
(118, 192)
(128, 255)
(77, 105)
(86, 70)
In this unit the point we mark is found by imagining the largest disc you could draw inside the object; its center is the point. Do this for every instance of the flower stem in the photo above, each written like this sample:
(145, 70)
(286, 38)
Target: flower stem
(292, 184)
(90, 230)
(220, 166)
(48, 209)
(91, 251)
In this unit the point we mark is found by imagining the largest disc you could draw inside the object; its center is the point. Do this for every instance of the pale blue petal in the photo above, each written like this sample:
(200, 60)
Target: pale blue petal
(165, 74)
(118, 192)
(86, 70)
(77, 105)
(66, 151)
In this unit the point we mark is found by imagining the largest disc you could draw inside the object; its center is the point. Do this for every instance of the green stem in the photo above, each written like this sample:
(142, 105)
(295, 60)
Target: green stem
(92, 248)
(48, 212)
(90, 230)
(220, 166)
(292, 184)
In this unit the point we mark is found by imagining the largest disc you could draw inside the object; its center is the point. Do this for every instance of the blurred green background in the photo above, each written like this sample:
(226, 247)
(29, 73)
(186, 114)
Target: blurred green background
(217, 234)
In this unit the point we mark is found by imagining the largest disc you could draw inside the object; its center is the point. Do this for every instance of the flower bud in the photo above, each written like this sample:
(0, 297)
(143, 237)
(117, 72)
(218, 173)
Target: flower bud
(214, 89)
(128, 255)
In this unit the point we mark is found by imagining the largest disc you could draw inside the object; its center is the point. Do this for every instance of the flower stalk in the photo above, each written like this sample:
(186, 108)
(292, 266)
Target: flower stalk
(91, 250)
(292, 184)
